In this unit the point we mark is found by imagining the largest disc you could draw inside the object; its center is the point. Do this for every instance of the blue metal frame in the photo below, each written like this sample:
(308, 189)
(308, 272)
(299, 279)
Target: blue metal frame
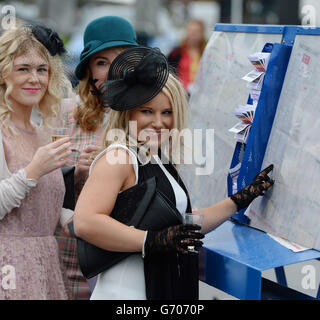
(263, 28)
(249, 28)
(263, 120)
(288, 32)
(234, 255)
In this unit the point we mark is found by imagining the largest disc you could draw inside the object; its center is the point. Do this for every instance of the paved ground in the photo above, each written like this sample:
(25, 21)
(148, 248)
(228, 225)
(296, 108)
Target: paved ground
(299, 277)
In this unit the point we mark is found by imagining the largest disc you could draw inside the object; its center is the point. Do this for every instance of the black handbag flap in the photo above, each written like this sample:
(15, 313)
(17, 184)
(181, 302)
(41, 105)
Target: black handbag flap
(142, 206)
(133, 201)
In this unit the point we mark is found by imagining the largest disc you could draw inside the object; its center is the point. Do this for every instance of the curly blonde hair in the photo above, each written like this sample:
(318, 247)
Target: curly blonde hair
(14, 43)
(89, 113)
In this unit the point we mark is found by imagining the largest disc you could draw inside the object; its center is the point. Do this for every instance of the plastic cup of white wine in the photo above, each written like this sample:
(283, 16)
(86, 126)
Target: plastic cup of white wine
(189, 218)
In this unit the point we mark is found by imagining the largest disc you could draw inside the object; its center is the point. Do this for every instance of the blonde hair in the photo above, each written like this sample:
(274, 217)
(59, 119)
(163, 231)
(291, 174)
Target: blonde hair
(14, 43)
(89, 113)
(178, 100)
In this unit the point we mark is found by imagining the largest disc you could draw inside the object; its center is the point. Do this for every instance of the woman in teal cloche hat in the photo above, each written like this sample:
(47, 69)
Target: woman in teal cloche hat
(104, 38)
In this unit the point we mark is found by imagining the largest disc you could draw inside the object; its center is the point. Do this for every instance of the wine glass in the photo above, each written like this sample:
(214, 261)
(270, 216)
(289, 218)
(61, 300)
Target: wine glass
(59, 129)
(59, 132)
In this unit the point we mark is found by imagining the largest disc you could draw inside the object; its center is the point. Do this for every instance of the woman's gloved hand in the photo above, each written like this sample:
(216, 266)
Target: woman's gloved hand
(261, 182)
(175, 238)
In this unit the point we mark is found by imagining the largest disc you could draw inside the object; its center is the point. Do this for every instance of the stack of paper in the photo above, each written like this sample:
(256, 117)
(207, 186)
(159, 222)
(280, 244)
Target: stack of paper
(245, 113)
(242, 128)
(255, 78)
(260, 60)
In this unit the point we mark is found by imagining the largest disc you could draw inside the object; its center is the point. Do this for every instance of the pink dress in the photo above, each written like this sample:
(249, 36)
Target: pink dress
(29, 259)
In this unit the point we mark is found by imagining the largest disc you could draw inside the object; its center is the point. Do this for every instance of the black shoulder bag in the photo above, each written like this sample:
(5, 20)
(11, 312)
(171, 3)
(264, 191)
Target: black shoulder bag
(144, 207)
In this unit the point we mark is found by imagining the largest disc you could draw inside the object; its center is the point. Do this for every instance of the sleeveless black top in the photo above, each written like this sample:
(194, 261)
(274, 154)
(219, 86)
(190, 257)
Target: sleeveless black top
(169, 276)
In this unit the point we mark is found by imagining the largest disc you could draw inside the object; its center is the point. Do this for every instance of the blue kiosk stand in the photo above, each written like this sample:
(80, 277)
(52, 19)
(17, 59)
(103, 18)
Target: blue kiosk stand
(235, 255)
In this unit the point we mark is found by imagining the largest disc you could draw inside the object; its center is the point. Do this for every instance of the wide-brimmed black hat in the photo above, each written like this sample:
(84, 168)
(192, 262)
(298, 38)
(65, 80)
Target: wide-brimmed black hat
(135, 77)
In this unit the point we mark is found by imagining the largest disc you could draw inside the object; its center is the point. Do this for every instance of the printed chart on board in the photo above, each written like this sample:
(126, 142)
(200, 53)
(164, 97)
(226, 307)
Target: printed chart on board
(291, 209)
(218, 90)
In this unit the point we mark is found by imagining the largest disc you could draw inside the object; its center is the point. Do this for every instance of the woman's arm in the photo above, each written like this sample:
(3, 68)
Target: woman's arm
(217, 214)
(16, 187)
(223, 210)
(82, 168)
(13, 190)
(96, 201)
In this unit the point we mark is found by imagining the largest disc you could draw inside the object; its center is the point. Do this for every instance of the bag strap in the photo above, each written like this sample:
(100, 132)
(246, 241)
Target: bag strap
(139, 213)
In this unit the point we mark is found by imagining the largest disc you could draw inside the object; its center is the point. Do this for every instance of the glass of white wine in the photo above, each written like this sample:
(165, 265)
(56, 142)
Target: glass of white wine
(189, 218)
(58, 133)
(59, 130)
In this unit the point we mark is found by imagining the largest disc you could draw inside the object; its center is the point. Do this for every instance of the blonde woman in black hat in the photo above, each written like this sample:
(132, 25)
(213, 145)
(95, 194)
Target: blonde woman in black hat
(143, 95)
(104, 38)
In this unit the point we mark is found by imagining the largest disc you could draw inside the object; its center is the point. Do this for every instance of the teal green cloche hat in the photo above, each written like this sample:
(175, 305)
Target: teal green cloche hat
(103, 33)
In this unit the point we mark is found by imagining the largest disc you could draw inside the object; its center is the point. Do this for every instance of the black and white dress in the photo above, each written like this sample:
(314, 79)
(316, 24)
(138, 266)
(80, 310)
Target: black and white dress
(159, 276)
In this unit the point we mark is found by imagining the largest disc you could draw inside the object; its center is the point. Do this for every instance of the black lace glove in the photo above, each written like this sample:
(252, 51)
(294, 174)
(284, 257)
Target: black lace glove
(175, 238)
(261, 182)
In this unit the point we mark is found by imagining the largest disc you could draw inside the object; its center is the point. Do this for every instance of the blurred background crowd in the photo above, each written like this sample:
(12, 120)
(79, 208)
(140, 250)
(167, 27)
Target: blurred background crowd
(158, 23)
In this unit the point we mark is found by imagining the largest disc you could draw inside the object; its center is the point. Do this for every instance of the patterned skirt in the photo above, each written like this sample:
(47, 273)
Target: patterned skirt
(68, 253)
